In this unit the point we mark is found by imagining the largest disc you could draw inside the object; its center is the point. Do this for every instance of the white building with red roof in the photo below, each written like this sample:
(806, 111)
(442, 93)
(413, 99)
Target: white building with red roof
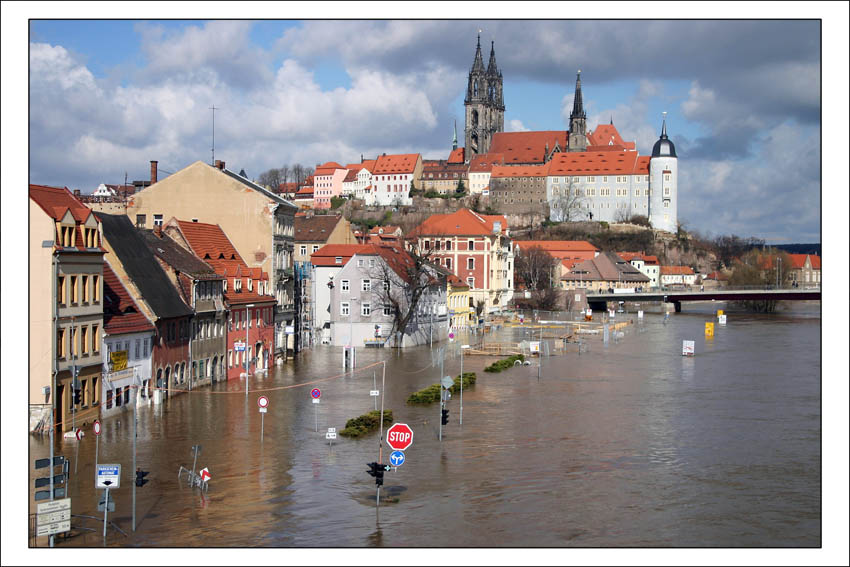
(805, 270)
(392, 178)
(677, 276)
(646, 263)
(476, 248)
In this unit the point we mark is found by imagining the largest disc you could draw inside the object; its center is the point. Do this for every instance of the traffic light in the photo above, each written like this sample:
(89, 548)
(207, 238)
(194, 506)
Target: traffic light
(377, 470)
(140, 477)
(445, 416)
(78, 396)
(373, 469)
(379, 478)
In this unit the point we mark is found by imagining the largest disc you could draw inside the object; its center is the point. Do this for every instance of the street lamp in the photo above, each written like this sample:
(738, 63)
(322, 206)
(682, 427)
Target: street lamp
(245, 352)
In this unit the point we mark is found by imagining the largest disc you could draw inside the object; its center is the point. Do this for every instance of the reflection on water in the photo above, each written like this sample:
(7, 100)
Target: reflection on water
(627, 444)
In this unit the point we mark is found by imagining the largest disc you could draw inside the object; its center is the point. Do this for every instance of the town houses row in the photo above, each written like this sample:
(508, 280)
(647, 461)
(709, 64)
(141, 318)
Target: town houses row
(204, 276)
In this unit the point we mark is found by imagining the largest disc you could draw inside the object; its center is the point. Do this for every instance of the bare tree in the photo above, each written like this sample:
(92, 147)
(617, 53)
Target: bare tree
(534, 267)
(405, 276)
(284, 173)
(567, 203)
(270, 179)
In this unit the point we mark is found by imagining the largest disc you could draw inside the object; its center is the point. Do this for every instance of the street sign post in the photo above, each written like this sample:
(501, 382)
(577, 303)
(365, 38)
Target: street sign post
(108, 476)
(399, 436)
(687, 348)
(53, 517)
(316, 393)
(331, 434)
(263, 402)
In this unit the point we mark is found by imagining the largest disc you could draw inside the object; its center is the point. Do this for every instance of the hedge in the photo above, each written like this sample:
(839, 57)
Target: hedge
(504, 364)
(431, 394)
(366, 423)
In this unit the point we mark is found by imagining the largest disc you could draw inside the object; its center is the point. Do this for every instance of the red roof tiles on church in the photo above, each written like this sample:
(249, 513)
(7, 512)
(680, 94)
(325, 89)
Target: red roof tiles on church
(456, 156)
(527, 147)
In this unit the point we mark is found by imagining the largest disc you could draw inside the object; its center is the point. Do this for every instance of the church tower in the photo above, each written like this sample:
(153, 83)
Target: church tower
(485, 107)
(577, 138)
(663, 183)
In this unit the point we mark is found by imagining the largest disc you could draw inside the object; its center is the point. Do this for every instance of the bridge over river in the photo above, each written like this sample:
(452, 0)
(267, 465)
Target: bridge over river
(597, 301)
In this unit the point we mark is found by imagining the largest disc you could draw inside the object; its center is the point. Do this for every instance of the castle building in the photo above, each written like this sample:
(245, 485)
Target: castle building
(484, 104)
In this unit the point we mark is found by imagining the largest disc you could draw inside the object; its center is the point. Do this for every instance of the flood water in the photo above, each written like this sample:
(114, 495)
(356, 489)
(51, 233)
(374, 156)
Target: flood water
(627, 444)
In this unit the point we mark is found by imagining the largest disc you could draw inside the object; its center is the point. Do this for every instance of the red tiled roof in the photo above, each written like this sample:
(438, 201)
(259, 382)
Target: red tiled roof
(456, 156)
(719, 276)
(389, 229)
(519, 171)
(629, 256)
(288, 187)
(120, 312)
(327, 168)
(815, 261)
(798, 261)
(462, 222)
(607, 136)
(482, 163)
(350, 176)
(527, 147)
(398, 163)
(306, 190)
(598, 163)
(315, 228)
(676, 271)
(56, 200)
(327, 254)
(558, 245)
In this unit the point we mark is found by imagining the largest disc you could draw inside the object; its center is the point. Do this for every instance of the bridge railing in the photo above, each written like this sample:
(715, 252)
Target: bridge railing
(694, 288)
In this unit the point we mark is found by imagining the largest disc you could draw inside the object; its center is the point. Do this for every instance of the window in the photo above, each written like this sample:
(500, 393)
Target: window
(344, 286)
(109, 399)
(470, 282)
(470, 263)
(360, 263)
(470, 245)
(157, 220)
(365, 309)
(448, 244)
(386, 285)
(141, 221)
(138, 348)
(84, 339)
(388, 310)
(338, 260)
(60, 290)
(448, 263)
(303, 249)
(74, 290)
(637, 192)
(315, 248)
(366, 285)
(344, 309)
(371, 262)
(666, 204)
(666, 191)
(74, 348)
(85, 289)
(95, 338)
(126, 394)
(666, 177)
(61, 348)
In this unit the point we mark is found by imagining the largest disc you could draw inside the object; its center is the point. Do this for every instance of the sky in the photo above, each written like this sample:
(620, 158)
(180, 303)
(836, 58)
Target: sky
(743, 99)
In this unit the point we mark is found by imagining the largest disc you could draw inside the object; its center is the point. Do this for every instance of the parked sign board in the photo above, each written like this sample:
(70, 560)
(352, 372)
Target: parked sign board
(110, 474)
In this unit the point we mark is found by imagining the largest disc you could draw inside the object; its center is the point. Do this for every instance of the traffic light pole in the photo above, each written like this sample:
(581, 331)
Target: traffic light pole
(442, 360)
(135, 425)
(381, 432)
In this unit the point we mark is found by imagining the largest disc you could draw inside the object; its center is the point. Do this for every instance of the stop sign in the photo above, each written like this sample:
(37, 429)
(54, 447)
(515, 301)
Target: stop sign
(399, 436)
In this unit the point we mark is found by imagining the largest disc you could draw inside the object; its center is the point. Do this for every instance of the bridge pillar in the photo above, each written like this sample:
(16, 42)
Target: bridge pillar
(677, 305)
(597, 305)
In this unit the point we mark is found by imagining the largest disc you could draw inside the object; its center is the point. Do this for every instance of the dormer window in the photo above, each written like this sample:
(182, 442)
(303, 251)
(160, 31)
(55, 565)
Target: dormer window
(338, 260)
(237, 285)
(66, 235)
(250, 284)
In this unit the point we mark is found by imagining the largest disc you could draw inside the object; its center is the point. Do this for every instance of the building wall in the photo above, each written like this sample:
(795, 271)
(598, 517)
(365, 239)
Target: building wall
(663, 201)
(260, 338)
(41, 283)
(519, 194)
(138, 372)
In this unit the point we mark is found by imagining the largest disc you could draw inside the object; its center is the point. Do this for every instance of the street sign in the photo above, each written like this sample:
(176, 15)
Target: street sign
(54, 506)
(399, 436)
(316, 393)
(56, 528)
(54, 517)
(263, 402)
(58, 492)
(239, 346)
(397, 458)
(330, 435)
(289, 330)
(45, 480)
(108, 476)
(451, 336)
(78, 434)
(264, 410)
(96, 427)
(709, 329)
(447, 382)
(534, 346)
(205, 474)
(721, 319)
(687, 348)
(331, 429)
(374, 393)
(41, 463)
(640, 314)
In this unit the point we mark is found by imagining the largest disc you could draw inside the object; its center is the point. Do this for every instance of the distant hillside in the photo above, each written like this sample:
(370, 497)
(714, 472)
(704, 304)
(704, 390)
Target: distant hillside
(799, 248)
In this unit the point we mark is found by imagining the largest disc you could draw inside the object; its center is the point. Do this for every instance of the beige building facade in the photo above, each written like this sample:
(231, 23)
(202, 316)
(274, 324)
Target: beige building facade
(259, 223)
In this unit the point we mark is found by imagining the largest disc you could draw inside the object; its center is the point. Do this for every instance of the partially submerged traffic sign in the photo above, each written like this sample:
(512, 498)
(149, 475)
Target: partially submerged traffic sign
(399, 436)
(108, 476)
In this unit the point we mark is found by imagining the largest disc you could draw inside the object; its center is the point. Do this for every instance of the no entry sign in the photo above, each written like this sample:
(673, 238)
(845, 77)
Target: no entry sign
(399, 436)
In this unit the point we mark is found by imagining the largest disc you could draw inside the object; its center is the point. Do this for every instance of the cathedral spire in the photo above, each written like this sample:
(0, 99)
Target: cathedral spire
(491, 67)
(454, 141)
(478, 64)
(578, 108)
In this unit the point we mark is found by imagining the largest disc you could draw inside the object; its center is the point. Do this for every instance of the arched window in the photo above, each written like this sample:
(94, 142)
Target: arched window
(475, 119)
(475, 88)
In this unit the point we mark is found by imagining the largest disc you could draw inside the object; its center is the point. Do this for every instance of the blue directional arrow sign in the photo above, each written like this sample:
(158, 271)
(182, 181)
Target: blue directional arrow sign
(397, 458)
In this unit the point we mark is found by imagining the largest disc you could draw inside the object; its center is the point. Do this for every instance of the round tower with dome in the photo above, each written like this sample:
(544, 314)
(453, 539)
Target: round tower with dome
(663, 183)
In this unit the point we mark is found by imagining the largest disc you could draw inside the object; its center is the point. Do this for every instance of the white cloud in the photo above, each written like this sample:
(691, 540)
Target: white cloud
(516, 126)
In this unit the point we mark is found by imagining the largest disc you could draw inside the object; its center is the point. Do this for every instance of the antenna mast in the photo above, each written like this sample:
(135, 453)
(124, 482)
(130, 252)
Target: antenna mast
(213, 108)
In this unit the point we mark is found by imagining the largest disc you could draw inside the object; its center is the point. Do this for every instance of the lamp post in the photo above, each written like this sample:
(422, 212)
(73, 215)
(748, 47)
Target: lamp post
(462, 347)
(247, 324)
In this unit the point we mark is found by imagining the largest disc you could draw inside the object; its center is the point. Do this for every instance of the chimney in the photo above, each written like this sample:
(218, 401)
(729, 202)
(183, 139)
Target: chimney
(219, 164)
(153, 171)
